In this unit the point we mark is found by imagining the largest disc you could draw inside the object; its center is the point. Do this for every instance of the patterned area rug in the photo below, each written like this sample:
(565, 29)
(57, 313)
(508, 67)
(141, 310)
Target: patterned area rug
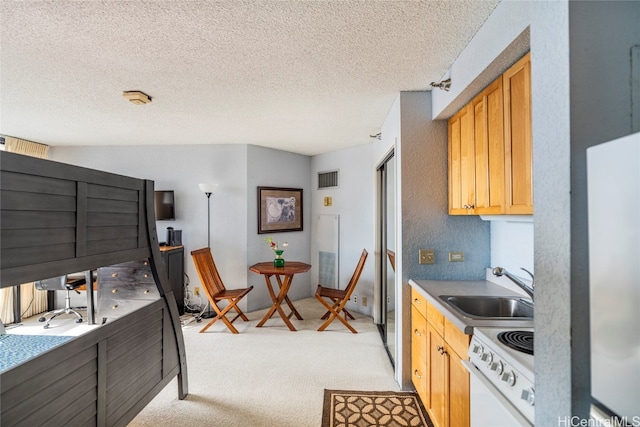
(373, 408)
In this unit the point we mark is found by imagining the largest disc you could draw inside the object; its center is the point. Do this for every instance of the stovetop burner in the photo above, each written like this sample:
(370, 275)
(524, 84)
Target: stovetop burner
(518, 340)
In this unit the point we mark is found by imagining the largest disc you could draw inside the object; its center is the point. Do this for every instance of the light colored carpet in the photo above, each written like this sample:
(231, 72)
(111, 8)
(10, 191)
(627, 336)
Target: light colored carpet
(271, 376)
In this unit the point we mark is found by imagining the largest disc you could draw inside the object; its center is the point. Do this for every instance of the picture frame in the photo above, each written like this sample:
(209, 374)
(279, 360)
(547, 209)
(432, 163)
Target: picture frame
(279, 209)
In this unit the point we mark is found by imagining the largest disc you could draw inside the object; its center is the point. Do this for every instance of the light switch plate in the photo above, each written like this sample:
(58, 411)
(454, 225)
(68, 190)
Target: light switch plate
(427, 256)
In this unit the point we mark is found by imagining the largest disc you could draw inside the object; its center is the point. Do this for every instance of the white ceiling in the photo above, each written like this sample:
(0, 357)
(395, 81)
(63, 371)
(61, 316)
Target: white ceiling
(302, 76)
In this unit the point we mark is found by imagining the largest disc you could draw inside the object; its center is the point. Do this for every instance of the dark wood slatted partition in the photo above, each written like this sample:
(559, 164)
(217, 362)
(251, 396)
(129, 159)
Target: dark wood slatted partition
(57, 219)
(129, 354)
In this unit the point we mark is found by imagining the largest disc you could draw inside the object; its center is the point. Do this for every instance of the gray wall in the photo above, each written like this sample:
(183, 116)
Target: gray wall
(582, 97)
(425, 223)
(274, 168)
(601, 35)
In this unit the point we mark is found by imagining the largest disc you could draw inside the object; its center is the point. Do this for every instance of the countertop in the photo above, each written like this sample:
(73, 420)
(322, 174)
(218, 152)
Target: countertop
(432, 289)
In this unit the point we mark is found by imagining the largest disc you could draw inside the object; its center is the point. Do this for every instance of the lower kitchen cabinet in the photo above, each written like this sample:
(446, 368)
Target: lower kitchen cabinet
(444, 389)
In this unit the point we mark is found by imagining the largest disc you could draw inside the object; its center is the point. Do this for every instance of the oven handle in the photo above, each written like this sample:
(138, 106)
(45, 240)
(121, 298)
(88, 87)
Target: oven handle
(475, 372)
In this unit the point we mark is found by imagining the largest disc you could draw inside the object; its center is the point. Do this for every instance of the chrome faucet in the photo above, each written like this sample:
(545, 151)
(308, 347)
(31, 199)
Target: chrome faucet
(499, 271)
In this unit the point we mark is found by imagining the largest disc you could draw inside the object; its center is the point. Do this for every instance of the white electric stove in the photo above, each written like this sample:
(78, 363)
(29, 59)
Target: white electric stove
(501, 380)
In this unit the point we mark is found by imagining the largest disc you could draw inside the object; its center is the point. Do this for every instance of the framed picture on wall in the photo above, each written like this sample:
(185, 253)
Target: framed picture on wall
(279, 209)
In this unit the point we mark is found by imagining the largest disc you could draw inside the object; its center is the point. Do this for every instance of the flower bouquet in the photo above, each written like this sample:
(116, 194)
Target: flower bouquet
(275, 246)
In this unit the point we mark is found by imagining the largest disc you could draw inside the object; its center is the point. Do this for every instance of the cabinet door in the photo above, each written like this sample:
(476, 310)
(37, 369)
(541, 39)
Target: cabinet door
(518, 147)
(461, 163)
(459, 406)
(419, 353)
(489, 150)
(437, 381)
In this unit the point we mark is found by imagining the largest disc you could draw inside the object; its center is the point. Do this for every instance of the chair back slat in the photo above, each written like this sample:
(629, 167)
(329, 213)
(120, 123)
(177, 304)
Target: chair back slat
(356, 275)
(207, 271)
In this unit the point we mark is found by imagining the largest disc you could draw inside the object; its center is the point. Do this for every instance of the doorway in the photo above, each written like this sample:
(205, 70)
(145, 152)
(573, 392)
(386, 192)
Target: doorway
(386, 239)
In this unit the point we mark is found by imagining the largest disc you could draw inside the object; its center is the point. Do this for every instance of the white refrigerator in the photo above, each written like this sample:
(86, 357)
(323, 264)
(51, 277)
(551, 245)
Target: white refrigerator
(614, 275)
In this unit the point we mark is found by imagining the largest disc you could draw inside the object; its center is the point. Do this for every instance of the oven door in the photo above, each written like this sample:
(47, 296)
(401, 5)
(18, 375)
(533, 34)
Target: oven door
(489, 407)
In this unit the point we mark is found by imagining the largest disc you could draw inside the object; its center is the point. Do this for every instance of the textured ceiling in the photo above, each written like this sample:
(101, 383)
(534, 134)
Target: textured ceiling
(302, 76)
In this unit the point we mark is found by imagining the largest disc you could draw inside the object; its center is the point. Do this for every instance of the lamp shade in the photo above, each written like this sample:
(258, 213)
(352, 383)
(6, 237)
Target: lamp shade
(208, 188)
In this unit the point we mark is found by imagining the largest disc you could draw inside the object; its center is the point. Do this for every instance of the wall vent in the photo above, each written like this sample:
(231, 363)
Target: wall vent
(327, 179)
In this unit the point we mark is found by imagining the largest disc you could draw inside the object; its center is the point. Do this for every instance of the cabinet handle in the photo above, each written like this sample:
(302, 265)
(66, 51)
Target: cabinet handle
(114, 274)
(146, 276)
(417, 374)
(114, 307)
(146, 291)
(113, 291)
(417, 301)
(441, 350)
(417, 333)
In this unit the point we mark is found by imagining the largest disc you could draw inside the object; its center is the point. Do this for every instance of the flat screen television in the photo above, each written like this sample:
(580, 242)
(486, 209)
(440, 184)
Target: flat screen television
(164, 205)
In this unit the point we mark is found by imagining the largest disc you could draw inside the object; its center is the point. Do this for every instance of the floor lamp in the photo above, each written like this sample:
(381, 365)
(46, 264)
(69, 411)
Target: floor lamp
(208, 189)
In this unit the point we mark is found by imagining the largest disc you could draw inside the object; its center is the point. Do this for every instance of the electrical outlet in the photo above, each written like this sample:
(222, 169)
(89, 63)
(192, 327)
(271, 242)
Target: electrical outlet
(355, 299)
(196, 291)
(427, 256)
(388, 300)
(456, 256)
(364, 301)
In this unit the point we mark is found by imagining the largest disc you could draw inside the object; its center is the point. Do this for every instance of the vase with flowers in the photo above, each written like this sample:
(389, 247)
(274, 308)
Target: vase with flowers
(279, 250)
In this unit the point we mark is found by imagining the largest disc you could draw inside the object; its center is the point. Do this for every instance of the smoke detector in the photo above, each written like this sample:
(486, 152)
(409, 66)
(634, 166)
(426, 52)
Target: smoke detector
(137, 97)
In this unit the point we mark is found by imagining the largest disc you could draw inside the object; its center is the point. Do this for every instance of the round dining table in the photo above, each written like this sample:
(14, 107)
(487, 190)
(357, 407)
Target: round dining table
(284, 277)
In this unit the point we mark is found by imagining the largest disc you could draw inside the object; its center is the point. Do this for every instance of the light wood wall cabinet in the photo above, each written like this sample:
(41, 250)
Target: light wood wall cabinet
(490, 158)
(440, 378)
(517, 141)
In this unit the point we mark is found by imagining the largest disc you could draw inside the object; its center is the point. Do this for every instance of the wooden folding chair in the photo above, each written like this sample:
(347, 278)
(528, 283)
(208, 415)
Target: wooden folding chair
(392, 259)
(215, 290)
(339, 297)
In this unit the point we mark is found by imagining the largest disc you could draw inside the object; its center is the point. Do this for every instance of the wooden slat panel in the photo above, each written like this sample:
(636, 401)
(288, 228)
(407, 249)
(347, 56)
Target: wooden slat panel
(119, 344)
(36, 219)
(27, 273)
(43, 415)
(33, 398)
(115, 206)
(76, 369)
(123, 371)
(106, 233)
(170, 358)
(81, 220)
(36, 254)
(105, 246)
(36, 184)
(102, 219)
(15, 200)
(33, 166)
(83, 416)
(112, 193)
(36, 237)
(120, 400)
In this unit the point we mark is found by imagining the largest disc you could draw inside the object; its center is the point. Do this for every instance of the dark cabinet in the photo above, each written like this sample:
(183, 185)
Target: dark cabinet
(125, 287)
(173, 257)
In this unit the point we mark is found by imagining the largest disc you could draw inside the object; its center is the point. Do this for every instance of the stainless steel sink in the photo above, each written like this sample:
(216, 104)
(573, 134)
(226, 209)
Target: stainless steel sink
(490, 307)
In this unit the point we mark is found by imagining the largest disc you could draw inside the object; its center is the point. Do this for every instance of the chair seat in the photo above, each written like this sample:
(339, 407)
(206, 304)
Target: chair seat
(231, 293)
(338, 298)
(330, 292)
(216, 291)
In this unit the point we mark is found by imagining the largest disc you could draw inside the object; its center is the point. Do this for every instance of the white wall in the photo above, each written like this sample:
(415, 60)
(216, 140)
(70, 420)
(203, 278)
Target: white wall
(353, 201)
(512, 245)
